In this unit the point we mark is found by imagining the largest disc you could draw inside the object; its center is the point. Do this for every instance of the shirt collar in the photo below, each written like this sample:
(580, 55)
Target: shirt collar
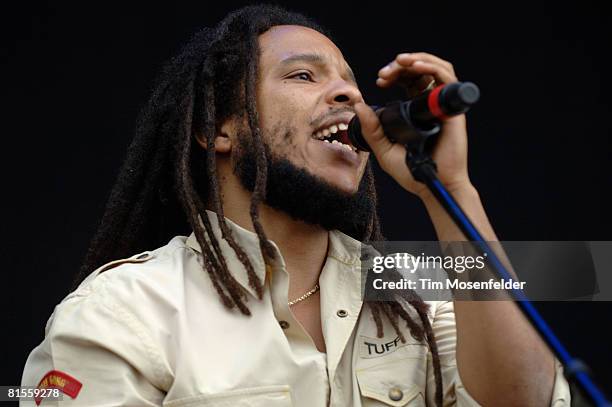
(341, 246)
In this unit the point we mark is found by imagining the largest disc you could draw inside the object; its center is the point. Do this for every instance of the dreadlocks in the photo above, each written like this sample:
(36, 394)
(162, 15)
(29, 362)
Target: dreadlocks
(167, 179)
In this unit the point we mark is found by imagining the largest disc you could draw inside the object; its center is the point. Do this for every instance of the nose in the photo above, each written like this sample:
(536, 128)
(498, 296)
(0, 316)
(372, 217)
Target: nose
(343, 92)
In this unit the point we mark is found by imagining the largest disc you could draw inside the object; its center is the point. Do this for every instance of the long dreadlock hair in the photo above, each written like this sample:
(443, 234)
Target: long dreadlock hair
(167, 178)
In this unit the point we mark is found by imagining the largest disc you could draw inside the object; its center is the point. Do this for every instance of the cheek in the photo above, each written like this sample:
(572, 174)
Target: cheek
(276, 106)
(281, 100)
(283, 141)
(281, 137)
(282, 128)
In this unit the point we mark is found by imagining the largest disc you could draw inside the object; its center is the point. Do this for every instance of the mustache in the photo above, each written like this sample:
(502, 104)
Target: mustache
(319, 120)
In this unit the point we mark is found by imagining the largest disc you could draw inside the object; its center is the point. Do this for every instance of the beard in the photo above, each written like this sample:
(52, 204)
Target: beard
(305, 196)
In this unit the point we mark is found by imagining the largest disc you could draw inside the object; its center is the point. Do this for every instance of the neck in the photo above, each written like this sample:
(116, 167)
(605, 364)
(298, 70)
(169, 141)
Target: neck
(303, 246)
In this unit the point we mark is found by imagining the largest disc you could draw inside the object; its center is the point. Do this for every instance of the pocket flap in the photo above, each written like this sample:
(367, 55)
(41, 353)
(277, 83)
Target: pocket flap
(384, 383)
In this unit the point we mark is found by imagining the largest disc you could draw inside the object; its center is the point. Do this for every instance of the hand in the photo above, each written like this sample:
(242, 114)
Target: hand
(414, 72)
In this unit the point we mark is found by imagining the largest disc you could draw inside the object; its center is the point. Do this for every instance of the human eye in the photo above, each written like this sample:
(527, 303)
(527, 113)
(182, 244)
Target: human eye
(302, 75)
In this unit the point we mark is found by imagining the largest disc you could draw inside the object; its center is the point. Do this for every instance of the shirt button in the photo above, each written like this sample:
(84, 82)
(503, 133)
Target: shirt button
(283, 324)
(395, 394)
(342, 313)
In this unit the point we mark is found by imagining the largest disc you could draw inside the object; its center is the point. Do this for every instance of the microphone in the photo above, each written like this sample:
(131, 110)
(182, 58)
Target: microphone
(412, 121)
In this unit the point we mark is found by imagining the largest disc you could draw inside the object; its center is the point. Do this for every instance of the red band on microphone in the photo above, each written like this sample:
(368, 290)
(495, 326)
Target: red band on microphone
(433, 103)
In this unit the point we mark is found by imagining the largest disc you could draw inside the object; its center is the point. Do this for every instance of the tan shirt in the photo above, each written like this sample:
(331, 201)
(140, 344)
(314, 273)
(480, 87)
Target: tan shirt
(151, 331)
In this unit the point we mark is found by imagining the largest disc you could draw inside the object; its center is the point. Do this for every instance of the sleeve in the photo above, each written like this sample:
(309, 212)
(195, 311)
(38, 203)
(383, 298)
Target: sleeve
(96, 353)
(454, 393)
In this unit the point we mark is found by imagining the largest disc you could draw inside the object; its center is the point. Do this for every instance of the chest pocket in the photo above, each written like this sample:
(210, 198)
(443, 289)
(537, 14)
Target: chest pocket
(396, 379)
(272, 396)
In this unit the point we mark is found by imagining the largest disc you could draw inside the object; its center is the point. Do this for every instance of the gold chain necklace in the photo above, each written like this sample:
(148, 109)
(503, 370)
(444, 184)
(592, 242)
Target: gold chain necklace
(303, 297)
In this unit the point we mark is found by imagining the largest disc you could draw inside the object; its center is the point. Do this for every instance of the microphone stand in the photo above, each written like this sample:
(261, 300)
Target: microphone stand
(423, 169)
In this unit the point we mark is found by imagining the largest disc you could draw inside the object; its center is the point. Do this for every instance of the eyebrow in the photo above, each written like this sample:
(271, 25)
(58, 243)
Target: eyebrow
(316, 59)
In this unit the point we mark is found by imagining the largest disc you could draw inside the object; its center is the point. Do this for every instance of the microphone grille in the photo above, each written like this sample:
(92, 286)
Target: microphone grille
(469, 93)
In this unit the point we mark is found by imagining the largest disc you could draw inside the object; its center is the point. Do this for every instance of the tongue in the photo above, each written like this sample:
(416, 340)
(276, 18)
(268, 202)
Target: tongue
(343, 137)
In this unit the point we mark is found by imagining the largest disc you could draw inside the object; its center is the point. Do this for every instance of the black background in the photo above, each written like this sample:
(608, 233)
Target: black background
(74, 78)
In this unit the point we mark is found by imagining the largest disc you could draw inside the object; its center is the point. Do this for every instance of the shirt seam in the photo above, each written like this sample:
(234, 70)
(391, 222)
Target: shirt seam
(120, 314)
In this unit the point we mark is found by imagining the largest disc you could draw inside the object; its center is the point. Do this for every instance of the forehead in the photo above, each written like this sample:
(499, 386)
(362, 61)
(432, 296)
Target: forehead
(283, 41)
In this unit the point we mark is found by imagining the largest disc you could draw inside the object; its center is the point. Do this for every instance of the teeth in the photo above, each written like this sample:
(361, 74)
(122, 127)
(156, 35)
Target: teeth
(333, 129)
(341, 144)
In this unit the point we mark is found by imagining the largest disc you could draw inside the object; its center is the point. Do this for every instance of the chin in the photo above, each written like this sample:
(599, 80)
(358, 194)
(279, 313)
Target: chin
(349, 186)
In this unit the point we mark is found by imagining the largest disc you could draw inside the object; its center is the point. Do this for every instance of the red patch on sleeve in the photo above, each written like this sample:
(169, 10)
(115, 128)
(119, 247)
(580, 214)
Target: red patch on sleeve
(59, 380)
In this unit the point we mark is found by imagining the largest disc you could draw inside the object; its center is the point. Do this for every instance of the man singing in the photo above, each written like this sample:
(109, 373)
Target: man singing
(241, 147)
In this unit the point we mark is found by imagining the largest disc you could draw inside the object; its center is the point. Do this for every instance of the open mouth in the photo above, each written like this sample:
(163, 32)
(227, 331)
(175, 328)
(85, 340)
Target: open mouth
(335, 134)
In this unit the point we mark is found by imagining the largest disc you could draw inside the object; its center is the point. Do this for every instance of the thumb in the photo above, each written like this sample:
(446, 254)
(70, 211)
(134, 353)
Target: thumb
(372, 130)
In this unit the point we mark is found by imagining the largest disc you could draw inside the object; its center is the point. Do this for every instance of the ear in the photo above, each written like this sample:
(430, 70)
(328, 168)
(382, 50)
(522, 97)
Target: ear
(223, 141)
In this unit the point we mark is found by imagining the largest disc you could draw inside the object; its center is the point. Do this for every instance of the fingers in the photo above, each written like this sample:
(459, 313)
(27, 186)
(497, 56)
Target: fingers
(416, 71)
(372, 130)
(390, 156)
(407, 59)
